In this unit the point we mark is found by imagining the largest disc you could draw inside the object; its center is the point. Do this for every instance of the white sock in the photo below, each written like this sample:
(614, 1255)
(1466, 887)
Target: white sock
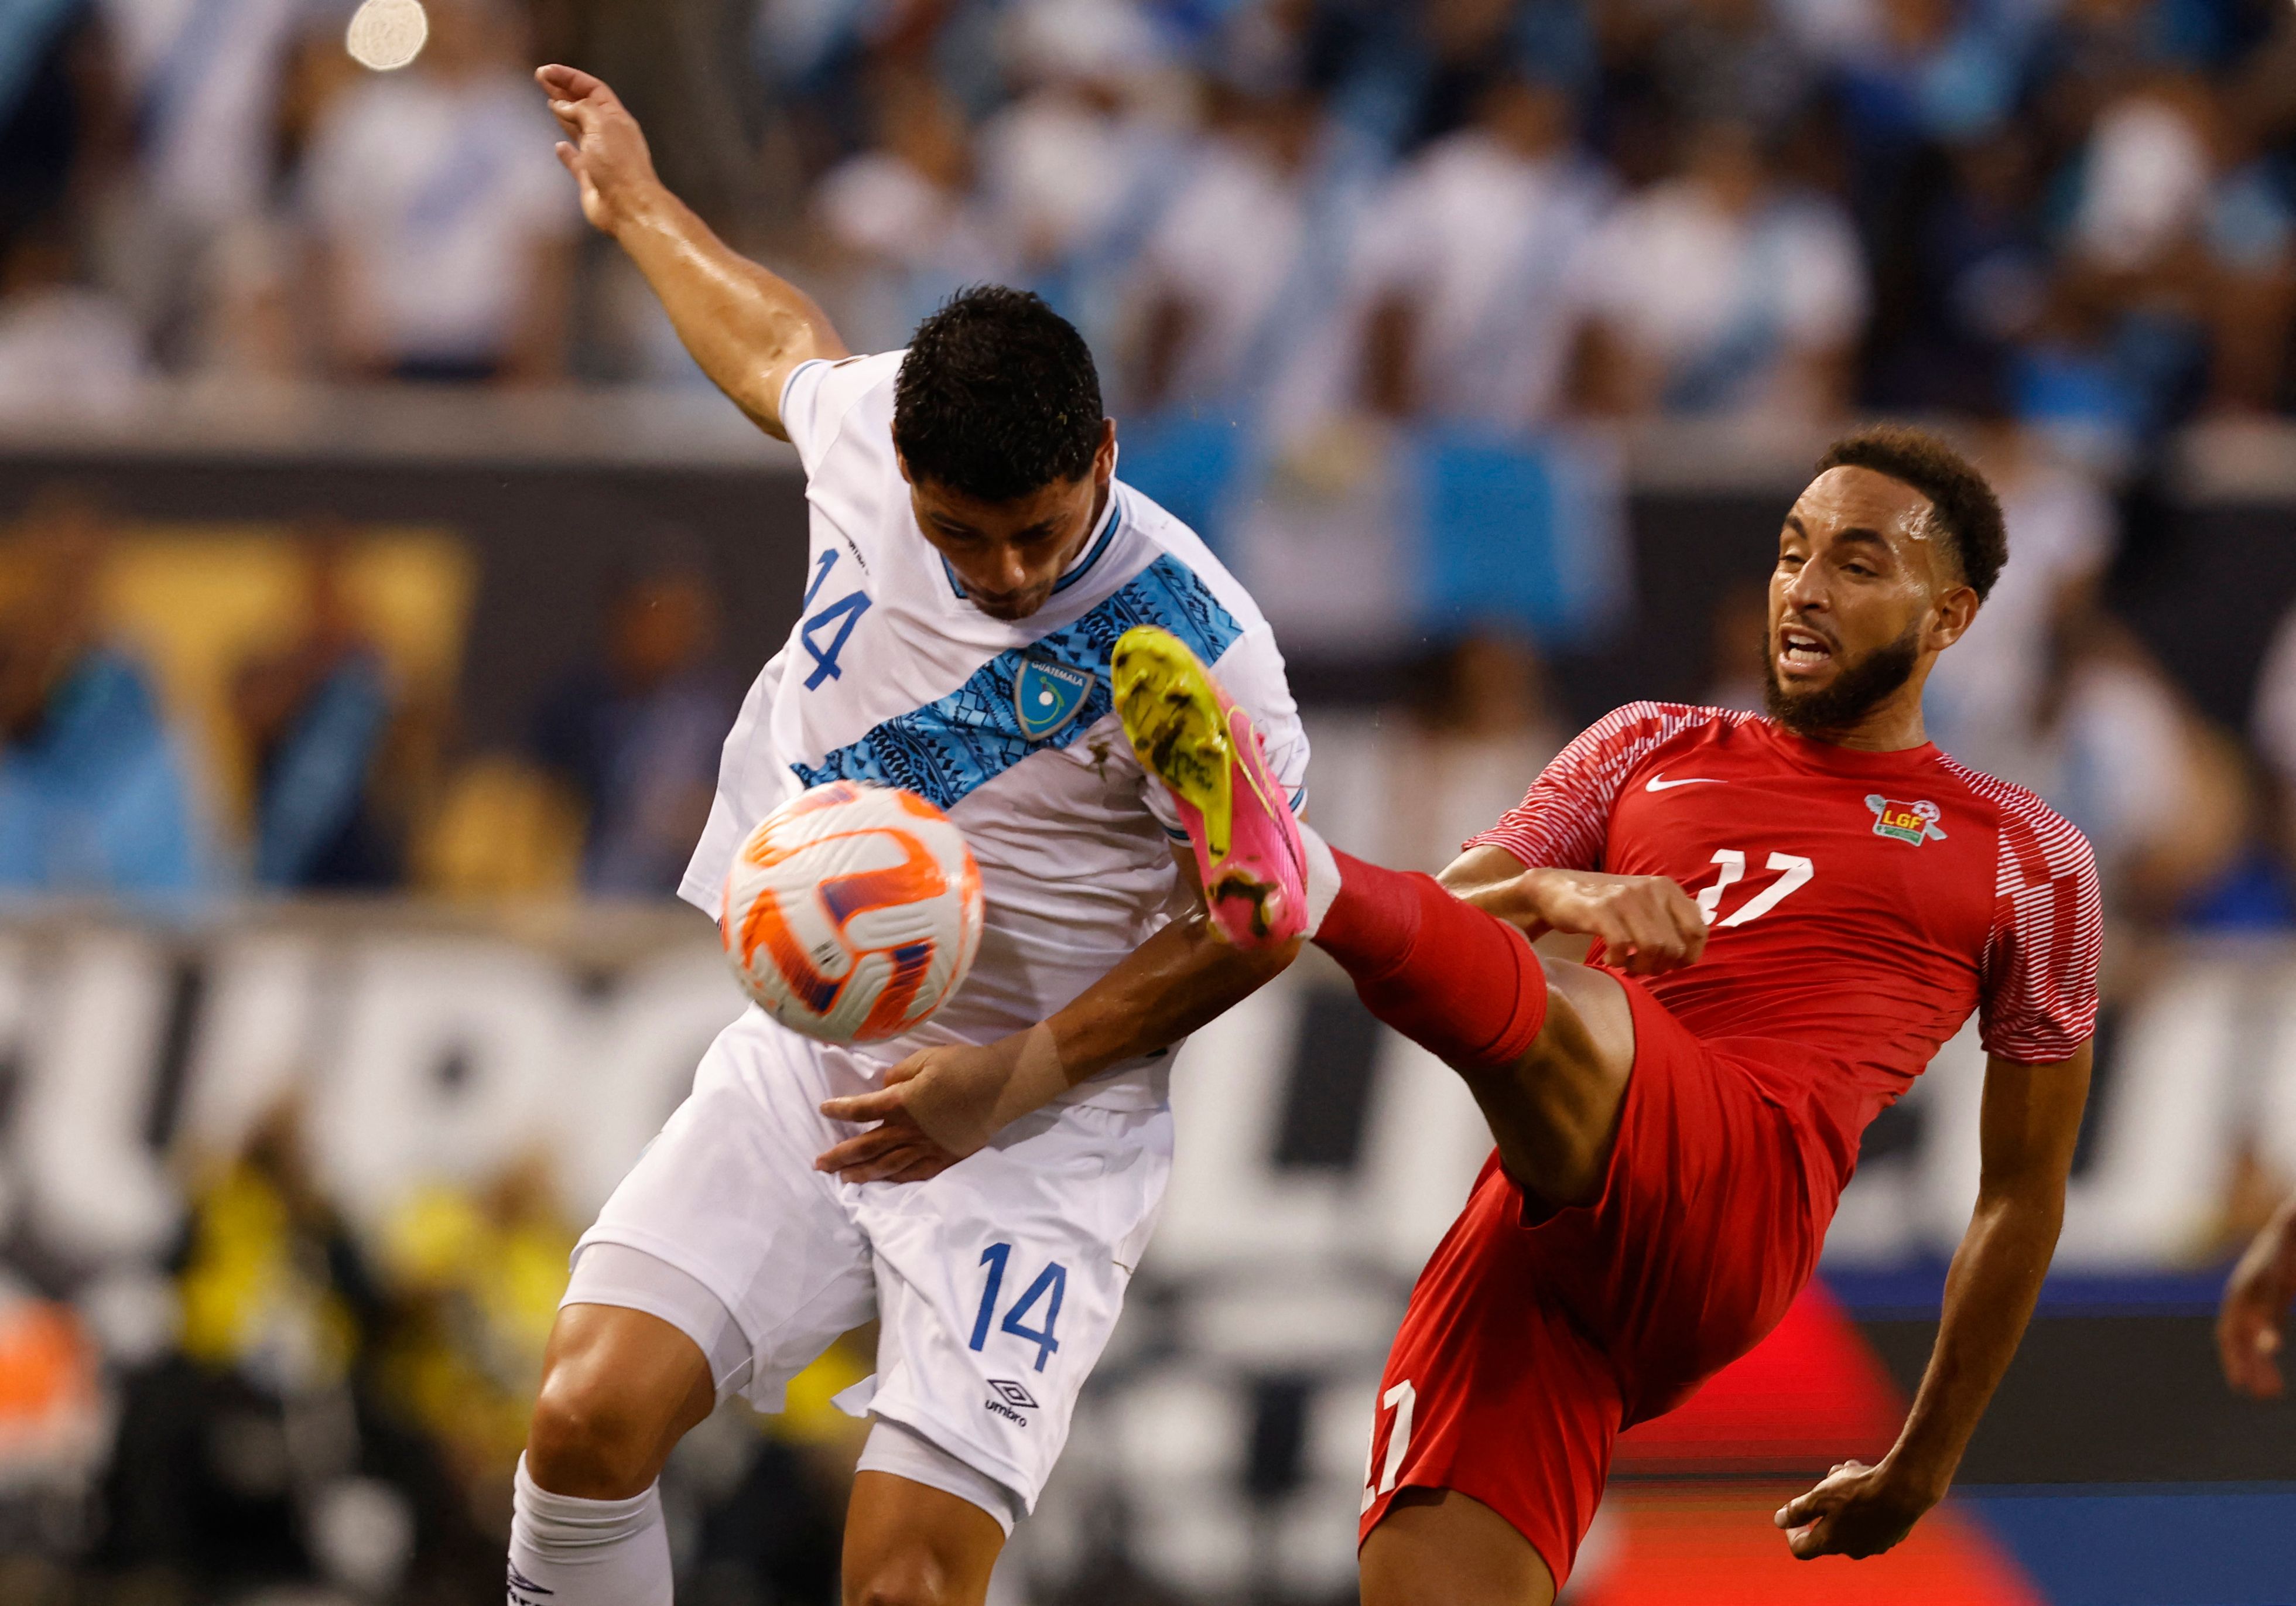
(565, 1552)
(1323, 877)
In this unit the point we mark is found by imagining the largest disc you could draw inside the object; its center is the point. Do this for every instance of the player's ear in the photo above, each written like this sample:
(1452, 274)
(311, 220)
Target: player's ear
(1104, 458)
(1951, 616)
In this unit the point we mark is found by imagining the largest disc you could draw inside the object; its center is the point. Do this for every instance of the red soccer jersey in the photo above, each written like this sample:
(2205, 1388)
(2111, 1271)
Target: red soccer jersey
(1860, 904)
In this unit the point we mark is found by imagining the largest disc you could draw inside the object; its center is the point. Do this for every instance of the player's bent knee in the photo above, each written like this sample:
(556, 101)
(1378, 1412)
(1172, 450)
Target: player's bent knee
(585, 1441)
(618, 1390)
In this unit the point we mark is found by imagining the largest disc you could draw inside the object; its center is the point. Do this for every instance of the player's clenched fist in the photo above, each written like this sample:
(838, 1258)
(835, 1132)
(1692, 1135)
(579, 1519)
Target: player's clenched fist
(1857, 1512)
(1647, 925)
(608, 155)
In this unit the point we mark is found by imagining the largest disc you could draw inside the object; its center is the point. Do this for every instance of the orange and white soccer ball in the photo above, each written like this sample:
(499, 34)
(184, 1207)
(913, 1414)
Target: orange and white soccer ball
(852, 912)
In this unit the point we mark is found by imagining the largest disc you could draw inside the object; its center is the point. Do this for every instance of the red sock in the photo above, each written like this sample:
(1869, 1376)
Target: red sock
(1463, 984)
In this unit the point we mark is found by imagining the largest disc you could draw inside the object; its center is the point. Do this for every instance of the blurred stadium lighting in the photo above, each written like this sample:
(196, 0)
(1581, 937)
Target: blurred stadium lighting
(386, 34)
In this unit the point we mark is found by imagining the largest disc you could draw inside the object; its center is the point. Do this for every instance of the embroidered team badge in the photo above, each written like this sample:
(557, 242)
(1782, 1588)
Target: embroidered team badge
(1913, 822)
(1046, 696)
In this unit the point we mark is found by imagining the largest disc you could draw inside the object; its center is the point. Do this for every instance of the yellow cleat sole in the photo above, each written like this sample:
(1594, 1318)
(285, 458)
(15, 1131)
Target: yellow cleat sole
(1172, 717)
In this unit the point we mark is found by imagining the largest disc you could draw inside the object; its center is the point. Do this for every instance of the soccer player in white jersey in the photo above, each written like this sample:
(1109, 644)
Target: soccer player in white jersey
(974, 560)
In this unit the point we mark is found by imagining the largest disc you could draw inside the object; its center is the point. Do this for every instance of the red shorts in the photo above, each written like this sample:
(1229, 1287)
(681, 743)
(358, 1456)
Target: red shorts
(1527, 1348)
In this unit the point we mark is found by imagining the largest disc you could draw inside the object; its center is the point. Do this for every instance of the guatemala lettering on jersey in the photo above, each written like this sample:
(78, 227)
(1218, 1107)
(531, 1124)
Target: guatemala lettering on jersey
(948, 748)
(1859, 905)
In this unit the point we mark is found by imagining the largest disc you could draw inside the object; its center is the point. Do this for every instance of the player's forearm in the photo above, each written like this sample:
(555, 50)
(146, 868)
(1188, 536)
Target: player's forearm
(1497, 883)
(1989, 1296)
(1180, 979)
(745, 325)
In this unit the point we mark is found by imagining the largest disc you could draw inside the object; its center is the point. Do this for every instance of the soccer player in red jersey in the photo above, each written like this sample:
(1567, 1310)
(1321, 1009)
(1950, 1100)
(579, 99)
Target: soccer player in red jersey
(1791, 914)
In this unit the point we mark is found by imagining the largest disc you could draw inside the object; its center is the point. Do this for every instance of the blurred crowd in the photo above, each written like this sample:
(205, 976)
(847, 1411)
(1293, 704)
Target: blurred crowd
(283, 1407)
(176, 755)
(1296, 213)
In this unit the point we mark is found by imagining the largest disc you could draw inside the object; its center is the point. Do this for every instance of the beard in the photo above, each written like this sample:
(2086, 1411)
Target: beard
(1861, 687)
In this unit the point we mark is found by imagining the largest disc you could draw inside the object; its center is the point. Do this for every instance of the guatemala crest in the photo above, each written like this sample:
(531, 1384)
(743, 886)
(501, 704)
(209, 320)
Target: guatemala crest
(1913, 822)
(1046, 696)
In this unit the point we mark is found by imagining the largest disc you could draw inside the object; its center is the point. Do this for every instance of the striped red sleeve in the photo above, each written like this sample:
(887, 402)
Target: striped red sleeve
(2038, 979)
(1564, 822)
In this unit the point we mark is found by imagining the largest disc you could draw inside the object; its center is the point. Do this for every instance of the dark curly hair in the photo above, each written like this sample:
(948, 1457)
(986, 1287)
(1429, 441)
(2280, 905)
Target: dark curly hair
(997, 396)
(1961, 502)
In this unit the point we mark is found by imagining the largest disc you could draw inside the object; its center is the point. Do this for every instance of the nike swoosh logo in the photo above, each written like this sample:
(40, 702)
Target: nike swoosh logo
(1659, 783)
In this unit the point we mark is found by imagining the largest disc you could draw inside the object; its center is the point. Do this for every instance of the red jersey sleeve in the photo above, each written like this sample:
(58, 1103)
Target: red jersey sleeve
(1564, 820)
(2037, 1001)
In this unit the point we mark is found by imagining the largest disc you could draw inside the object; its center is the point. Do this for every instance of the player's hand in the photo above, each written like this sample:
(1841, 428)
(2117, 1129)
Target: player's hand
(1857, 1512)
(936, 1107)
(2252, 1322)
(608, 154)
(1647, 924)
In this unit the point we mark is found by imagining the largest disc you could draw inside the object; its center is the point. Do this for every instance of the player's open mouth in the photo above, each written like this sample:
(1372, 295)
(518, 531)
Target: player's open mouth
(1802, 649)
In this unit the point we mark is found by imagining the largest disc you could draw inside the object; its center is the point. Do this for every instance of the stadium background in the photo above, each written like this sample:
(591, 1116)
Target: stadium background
(377, 576)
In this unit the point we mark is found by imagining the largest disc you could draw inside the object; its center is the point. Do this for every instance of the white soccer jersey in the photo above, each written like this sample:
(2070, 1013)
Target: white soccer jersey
(890, 676)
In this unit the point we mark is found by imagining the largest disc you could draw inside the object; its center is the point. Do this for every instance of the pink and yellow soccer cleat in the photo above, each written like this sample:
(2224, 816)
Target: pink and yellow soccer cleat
(1203, 745)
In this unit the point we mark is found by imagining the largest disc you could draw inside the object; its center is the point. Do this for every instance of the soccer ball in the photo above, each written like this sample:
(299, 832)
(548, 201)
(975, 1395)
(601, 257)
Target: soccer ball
(852, 912)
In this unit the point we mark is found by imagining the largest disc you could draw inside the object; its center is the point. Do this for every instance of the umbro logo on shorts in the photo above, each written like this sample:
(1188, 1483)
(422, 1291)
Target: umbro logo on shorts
(524, 1590)
(1009, 1395)
(1014, 1393)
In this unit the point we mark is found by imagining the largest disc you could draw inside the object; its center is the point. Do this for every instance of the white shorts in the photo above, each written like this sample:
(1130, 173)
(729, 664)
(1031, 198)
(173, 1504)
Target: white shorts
(996, 1284)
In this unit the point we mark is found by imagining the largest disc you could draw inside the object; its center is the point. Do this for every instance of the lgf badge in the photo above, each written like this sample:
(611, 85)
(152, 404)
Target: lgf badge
(1913, 822)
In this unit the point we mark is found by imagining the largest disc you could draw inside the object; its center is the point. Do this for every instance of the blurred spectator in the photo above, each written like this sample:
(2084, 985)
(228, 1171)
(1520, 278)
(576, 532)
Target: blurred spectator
(63, 343)
(1983, 699)
(231, 1447)
(204, 80)
(1218, 303)
(1933, 71)
(1719, 61)
(320, 718)
(2181, 267)
(1466, 259)
(2162, 797)
(476, 1276)
(1963, 277)
(1486, 729)
(1071, 168)
(444, 223)
(63, 128)
(900, 217)
(1720, 290)
(1738, 667)
(93, 796)
(636, 735)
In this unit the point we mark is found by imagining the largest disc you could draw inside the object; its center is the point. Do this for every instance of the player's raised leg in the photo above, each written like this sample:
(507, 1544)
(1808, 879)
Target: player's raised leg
(1547, 1049)
(1437, 1547)
(907, 1544)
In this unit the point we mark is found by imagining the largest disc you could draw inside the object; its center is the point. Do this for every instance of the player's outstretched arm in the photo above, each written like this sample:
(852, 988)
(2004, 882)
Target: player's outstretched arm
(2031, 1118)
(2252, 1323)
(941, 1104)
(1647, 924)
(748, 328)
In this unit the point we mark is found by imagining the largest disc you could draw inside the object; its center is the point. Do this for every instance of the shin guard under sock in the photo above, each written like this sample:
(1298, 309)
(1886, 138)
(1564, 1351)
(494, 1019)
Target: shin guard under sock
(566, 1551)
(1461, 984)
